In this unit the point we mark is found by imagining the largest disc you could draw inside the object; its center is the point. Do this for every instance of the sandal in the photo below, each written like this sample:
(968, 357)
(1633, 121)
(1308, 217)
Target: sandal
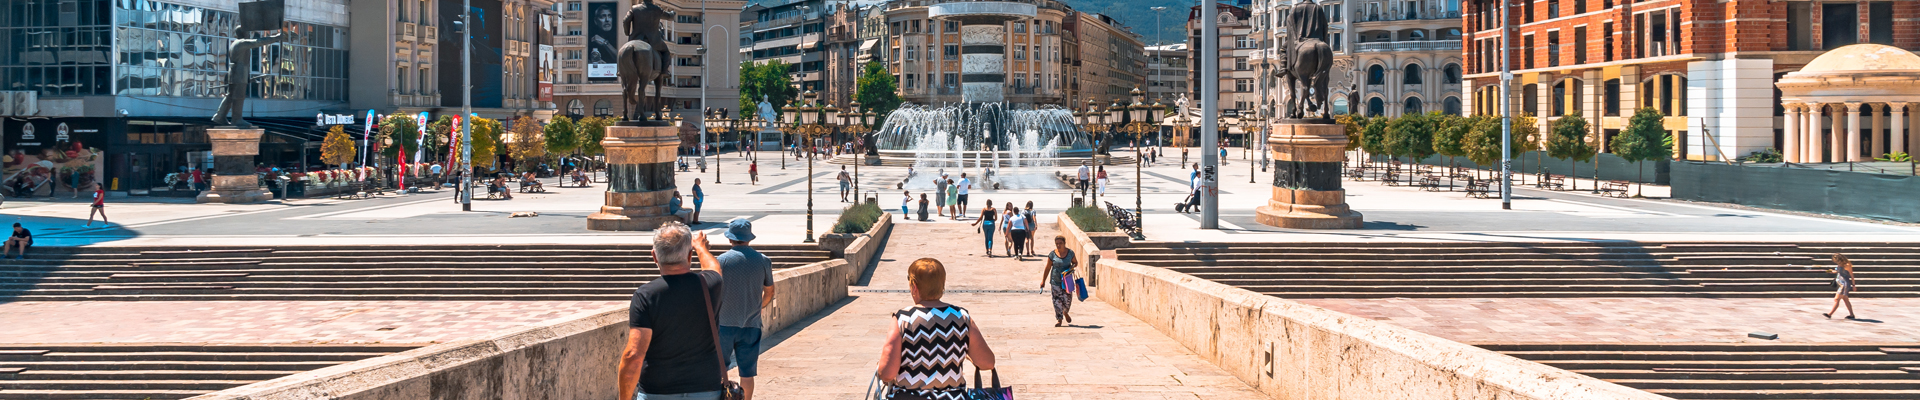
(1829, 316)
(1850, 317)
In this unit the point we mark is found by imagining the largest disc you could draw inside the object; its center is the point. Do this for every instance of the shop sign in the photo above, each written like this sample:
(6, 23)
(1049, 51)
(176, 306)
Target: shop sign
(333, 119)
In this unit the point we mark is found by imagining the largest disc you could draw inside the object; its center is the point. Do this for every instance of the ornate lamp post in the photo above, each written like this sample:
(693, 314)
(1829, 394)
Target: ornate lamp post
(1140, 121)
(717, 124)
(788, 116)
(812, 120)
(854, 124)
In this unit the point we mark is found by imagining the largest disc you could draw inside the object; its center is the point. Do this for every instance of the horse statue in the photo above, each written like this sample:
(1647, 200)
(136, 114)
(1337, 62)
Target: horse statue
(643, 58)
(1308, 60)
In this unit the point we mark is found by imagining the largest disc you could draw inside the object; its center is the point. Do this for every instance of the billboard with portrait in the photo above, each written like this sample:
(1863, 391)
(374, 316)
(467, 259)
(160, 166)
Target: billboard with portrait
(603, 41)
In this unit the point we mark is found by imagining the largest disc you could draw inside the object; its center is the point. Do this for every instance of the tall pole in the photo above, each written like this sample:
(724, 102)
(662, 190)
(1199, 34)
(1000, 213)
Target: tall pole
(1210, 109)
(466, 104)
(1158, 36)
(1506, 112)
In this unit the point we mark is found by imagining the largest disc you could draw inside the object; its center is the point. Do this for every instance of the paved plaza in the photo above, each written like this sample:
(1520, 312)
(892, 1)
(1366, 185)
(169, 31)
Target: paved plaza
(1642, 320)
(325, 322)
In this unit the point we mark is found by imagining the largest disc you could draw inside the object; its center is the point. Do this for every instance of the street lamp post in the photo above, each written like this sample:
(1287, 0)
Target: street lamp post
(1140, 120)
(812, 120)
(716, 123)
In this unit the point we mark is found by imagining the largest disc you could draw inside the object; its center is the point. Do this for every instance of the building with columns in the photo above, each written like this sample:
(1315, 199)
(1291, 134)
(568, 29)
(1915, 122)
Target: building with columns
(1402, 56)
(1851, 105)
(1026, 53)
(1236, 62)
(1709, 66)
(589, 40)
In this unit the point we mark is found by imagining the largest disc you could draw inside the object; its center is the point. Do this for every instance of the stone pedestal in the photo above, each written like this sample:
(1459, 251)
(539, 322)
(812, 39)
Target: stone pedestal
(639, 178)
(232, 179)
(1306, 178)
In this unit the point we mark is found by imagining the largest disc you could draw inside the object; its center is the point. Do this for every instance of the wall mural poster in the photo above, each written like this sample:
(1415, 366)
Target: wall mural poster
(603, 41)
(49, 156)
(488, 54)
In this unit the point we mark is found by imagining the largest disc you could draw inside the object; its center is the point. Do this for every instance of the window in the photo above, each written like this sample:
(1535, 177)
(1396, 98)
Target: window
(1242, 42)
(952, 52)
(1527, 12)
(1656, 37)
(1243, 85)
(1799, 26)
(1376, 75)
(1376, 107)
(1410, 75)
(950, 26)
(1580, 44)
(1412, 106)
(950, 79)
(1880, 22)
(909, 82)
(573, 78)
(1451, 106)
(1527, 57)
(1840, 25)
(1610, 100)
(425, 77)
(1579, 6)
(1559, 98)
(1530, 98)
(402, 80)
(910, 53)
(1450, 74)
(1553, 48)
(1606, 41)
(1553, 9)
(603, 107)
(1020, 53)
(576, 107)
(1240, 64)
(1019, 27)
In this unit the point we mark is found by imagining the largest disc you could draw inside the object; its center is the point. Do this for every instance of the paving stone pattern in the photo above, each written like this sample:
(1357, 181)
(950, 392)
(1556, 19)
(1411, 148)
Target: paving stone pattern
(275, 321)
(1107, 354)
(1641, 320)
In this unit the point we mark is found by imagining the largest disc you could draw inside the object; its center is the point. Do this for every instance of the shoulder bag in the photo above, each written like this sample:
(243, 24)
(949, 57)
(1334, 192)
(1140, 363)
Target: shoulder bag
(997, 392)
(729, 390)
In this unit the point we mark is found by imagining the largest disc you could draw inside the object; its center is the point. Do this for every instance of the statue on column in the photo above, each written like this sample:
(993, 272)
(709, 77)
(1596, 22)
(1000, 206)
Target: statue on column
(1308, 60)
(240, 59)
(643, 58)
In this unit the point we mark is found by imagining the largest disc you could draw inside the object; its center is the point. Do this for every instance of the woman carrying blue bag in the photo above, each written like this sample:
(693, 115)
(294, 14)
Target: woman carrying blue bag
(1058, 277)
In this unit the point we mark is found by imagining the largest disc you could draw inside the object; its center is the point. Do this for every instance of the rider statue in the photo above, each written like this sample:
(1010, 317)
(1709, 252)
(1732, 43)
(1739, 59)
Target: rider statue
(1308, 60)
(240, 73)
(645, 56)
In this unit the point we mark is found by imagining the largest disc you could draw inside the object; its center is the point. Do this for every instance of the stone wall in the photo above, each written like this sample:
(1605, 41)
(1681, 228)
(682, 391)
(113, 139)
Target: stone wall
(859, 249)
(1085, 248)
(1289, 350)
(563, 359)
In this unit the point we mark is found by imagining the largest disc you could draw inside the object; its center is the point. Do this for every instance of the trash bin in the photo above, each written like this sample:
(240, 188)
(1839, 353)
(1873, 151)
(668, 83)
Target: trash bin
(273, 185)
(296, 189)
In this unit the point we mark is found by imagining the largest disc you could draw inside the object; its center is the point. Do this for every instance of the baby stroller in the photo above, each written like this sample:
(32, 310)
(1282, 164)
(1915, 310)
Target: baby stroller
(1191, 204)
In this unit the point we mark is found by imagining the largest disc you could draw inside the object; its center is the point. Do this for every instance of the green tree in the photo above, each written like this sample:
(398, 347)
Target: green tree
(1645, 139)
(404, 134)
(1526, 137)
(1373, 136)
(772, 80)
(439, 135)
(592, 130)
(1568, 141)
(486, 133)
(561, 136)
(877, 92)
(529, 143)
(1355, 125)
(337, 148)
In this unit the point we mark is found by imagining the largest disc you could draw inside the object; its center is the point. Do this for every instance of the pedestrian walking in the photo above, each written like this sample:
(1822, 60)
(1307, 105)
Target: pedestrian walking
(940, 194)
(1016, 231)
(199, 180)
(986, 221)
(699, 198)
(1033, 227)
(920, 359)
(1193, 177)
(964, 185)
(1183, 155)
(906, 199)
(671, 325)
(753, 172)
(99, 206)
(953, 199)
(1080, 177)
(1102, 178)
(846, 183)
(1843, 277)
(748, 288)
(21, 240)
(1059, 270)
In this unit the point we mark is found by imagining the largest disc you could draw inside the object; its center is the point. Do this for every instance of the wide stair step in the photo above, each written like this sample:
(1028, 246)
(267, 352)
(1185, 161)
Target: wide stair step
(160, 371)
(1739, 370)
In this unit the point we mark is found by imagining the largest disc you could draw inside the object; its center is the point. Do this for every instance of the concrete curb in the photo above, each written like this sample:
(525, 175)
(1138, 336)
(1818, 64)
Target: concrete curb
(1289, 350)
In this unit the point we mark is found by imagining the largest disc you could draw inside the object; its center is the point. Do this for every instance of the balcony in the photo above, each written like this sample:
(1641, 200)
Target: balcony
(1408, 45)
(570, 64)
(430, 33)
(573, 40)
(407, 30)
(1399, 15)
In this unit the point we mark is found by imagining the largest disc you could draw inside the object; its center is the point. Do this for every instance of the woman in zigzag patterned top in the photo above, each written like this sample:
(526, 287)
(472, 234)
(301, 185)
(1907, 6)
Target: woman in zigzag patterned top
(922, 355)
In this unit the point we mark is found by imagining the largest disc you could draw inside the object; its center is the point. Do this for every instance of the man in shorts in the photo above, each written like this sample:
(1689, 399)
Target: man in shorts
(747, 289)
(21, 239)
(963, 186)
(940, 194)
(846, 183)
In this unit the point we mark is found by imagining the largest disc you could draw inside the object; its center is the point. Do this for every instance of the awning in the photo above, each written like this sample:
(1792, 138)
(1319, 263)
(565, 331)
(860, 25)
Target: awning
(866, 50)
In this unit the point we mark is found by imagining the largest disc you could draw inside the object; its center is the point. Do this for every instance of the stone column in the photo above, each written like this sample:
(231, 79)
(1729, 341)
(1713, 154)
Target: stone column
(1879, 125)
(1306, 178)
(639, 178)
(1790, 141)
(1836, 141)
(233, 178)
(983, 61)
(1853, 133)
(1899, 124)
(1816, 136)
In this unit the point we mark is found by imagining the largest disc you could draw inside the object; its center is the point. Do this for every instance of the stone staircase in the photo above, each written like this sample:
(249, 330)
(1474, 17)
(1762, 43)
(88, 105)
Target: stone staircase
(1384, 270)
(1741, 371)
(160, 371)
(385, 272)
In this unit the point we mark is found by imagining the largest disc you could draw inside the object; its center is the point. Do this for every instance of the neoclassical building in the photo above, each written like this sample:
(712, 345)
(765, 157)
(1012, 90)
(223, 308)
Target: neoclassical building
(1401, 56)
(1850, 105)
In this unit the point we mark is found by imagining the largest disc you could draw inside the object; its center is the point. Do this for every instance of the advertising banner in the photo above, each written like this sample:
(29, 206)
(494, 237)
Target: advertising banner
(603, 41)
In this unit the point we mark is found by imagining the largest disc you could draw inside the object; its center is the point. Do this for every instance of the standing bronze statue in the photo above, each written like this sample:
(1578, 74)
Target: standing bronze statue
(1308, 60)
(240, 73)
(643, 58)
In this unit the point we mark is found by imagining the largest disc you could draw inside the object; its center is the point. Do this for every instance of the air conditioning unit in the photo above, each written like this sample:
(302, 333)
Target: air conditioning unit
(6, 104)
(19, 103)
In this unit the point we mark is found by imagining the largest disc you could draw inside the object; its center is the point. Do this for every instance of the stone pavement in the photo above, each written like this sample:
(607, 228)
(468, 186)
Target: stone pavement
(1106, 354)
(1640, 320)
(274, 321)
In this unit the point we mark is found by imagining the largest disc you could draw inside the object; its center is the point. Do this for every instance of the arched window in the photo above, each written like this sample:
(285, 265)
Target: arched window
(603, 107)
(1412, 106)
(1450, 105)
(1375, 107)
(1450, 74)
(1340, 104)
(1416, 35)
(1376, 75)
(1410, 75)
(576, 107)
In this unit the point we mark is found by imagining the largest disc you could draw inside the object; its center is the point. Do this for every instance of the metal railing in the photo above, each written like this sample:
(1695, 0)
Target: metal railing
(1408, 45)
(1396, 15)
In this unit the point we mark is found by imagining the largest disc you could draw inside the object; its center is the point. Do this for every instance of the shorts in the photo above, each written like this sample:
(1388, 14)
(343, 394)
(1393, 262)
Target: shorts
(845, 186)
(963, 199)
(742, 348)
(99, 206)
(713, 395)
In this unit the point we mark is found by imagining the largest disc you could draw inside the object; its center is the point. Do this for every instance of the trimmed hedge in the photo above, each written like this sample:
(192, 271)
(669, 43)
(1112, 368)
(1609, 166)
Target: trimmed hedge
(858, 218)
(1091, 219)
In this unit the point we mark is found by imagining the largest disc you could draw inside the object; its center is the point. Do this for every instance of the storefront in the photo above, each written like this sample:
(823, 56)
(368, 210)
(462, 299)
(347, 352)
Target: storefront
(44, 157)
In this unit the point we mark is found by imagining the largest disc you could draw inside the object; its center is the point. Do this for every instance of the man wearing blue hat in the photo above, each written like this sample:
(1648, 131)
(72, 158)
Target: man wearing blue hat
(748, 289)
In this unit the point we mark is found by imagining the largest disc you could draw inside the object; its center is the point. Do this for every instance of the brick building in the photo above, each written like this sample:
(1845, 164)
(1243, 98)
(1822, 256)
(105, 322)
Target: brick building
(1708, 65)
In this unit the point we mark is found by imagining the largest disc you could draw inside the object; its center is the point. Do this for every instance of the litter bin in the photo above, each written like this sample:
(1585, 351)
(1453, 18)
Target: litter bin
(273, 185)
(297, 189)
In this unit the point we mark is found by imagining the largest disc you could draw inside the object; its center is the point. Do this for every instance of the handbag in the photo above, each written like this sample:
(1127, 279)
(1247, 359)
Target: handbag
(729, 390)
(877, 390)
(997, 392)
(1080, 288)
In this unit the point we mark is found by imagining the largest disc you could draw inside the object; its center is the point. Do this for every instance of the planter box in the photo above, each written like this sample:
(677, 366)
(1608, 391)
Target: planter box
(858, 249)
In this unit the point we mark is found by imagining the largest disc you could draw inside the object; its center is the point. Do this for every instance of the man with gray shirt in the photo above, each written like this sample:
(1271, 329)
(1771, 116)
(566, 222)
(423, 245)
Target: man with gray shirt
(748, 289)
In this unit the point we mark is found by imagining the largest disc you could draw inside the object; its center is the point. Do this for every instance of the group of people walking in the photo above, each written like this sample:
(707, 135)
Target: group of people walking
(949, 198)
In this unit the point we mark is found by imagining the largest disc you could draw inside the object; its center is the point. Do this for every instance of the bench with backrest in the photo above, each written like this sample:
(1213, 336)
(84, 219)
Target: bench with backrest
(1547, 180)
(1479, 188)
(1124, 219)
(1614, 188)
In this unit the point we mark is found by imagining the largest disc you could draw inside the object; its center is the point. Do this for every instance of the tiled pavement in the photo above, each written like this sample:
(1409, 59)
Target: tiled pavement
(1107, 354)
(1640, 320)
(274, 321)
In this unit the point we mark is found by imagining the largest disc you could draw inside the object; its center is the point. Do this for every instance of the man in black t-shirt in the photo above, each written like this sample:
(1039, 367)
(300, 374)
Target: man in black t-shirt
(21, 239)
(671, 330)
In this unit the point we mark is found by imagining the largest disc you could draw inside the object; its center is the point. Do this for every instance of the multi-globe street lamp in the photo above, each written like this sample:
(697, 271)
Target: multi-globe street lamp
(811, 120)
(1139, 120)
(854, 123)
(717, 124)
(1094, 122)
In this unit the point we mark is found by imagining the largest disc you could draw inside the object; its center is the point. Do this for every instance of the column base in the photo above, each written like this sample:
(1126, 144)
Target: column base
(234, 196)
(1299, 219)
(642, 211)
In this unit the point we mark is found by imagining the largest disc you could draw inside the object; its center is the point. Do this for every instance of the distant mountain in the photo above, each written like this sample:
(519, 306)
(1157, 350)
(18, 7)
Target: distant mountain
(1138, 15)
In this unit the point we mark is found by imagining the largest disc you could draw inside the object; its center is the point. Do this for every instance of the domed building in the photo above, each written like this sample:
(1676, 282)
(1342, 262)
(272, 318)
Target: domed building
(1851, 104)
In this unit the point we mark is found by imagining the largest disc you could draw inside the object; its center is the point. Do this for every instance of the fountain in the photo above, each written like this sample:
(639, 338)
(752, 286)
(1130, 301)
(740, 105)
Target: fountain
(987, 140)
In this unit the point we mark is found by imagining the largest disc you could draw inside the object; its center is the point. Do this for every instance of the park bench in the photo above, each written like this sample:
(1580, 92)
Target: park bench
(1357, 172)
(1614, 188)
(1479, 188)
(1430, 182)
(1125, 220)
(1549, 181)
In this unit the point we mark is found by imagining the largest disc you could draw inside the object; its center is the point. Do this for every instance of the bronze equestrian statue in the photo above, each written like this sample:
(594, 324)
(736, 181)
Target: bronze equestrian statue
(240, 55)
(643, 58)
(1308, 59)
